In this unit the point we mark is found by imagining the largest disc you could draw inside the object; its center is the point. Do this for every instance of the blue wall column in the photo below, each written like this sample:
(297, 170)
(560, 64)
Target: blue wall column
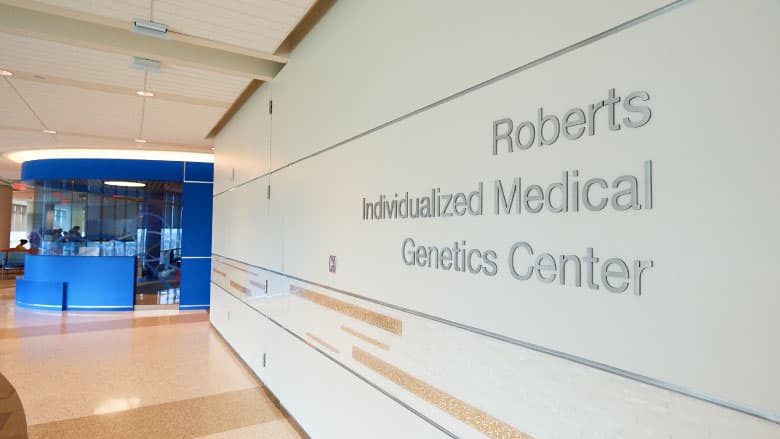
(197, 202)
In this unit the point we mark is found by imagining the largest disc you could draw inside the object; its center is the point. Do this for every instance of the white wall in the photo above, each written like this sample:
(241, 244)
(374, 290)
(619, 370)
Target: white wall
(706, 320)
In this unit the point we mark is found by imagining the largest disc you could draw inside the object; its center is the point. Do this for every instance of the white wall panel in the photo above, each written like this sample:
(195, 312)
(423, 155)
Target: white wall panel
(705, 321)
(450, 147)
(368, 62)
(243, 146)
(245, 228)
(536, 393)
(316, 399)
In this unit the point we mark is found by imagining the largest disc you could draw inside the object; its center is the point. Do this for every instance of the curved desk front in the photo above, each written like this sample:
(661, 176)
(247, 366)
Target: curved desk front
(77, 283)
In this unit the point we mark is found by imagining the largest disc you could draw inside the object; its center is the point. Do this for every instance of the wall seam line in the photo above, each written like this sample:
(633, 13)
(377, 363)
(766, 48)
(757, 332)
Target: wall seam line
(344, 366)
(468, 90)
(535, 347)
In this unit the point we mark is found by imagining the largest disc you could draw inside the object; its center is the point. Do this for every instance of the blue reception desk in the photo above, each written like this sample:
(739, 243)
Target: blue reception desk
(164, 224)
(85, 283)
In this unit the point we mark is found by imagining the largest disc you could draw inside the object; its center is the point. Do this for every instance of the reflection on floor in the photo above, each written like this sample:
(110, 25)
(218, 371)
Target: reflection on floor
(156, 292)
(127, 375)
(162, 297)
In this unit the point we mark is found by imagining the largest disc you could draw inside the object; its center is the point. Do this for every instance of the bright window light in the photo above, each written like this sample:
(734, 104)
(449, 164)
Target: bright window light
(125, 183)
(126, 154)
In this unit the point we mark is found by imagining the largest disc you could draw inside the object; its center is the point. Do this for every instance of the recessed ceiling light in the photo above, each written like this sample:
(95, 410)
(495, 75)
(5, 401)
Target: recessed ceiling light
(140, 141)
(144, 93)
(5, 73)
(125, 183)
(49, 132)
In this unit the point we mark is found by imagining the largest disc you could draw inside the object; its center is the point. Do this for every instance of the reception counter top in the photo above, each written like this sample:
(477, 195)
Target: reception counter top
(79, 283)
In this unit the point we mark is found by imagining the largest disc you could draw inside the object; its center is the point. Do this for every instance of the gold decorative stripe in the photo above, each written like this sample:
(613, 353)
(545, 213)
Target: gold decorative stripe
(239, 268)
(327, 345)
(257, 284)
(478, 419)
(373, 318)
(365, 338)
(239, 287)
(221, 273)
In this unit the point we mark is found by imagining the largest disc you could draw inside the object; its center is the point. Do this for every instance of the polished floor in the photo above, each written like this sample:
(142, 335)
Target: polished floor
(149, 374)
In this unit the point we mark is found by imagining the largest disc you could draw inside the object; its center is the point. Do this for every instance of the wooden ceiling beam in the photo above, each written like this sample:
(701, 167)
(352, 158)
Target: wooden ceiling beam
(110, 38)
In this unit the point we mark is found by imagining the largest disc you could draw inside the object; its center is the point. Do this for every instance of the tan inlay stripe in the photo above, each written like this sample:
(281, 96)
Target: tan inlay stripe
(239, 287)
(238, 268)
(221, 273)
(365, 338)
(373, 318)
(257, 284)
(483, 422)
(106, 325)
(13, 423)
(179, 419)
(327, 345)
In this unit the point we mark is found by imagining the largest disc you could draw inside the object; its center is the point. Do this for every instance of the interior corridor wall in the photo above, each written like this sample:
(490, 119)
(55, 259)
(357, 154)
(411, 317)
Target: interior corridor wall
(386, 98)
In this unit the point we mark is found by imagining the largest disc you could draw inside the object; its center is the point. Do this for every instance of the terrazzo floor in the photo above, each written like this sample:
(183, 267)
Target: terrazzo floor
(150, 374)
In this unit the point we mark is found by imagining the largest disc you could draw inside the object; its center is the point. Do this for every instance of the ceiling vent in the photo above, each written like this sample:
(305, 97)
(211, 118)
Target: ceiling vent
(150, 28)
(146, 64)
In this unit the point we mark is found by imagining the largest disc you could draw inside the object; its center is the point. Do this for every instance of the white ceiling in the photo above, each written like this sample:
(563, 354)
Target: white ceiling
(259, 25)
(89, 96)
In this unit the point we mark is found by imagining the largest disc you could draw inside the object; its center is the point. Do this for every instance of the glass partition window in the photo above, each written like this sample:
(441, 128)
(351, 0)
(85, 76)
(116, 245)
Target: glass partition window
(92, 218)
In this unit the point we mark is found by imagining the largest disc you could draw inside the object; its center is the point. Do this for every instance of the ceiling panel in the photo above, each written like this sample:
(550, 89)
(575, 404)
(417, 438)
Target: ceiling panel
(125, 10)
(256, 24)
(13, 111)
(185, 81)
(77, 110)
(68, 140)
(18, 139)
(48, 58)
(10, 170)
(174, 122)
(88, 95)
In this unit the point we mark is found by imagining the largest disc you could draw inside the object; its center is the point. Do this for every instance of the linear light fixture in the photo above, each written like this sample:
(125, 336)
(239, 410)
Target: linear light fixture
(144, 93)
(150, 28)
(47, 131)
(125, 183)
(5, 73)
(119, 154)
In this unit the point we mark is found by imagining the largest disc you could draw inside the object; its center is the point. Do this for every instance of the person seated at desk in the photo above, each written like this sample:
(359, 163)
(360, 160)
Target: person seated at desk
(21, 245)
(75, 234)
